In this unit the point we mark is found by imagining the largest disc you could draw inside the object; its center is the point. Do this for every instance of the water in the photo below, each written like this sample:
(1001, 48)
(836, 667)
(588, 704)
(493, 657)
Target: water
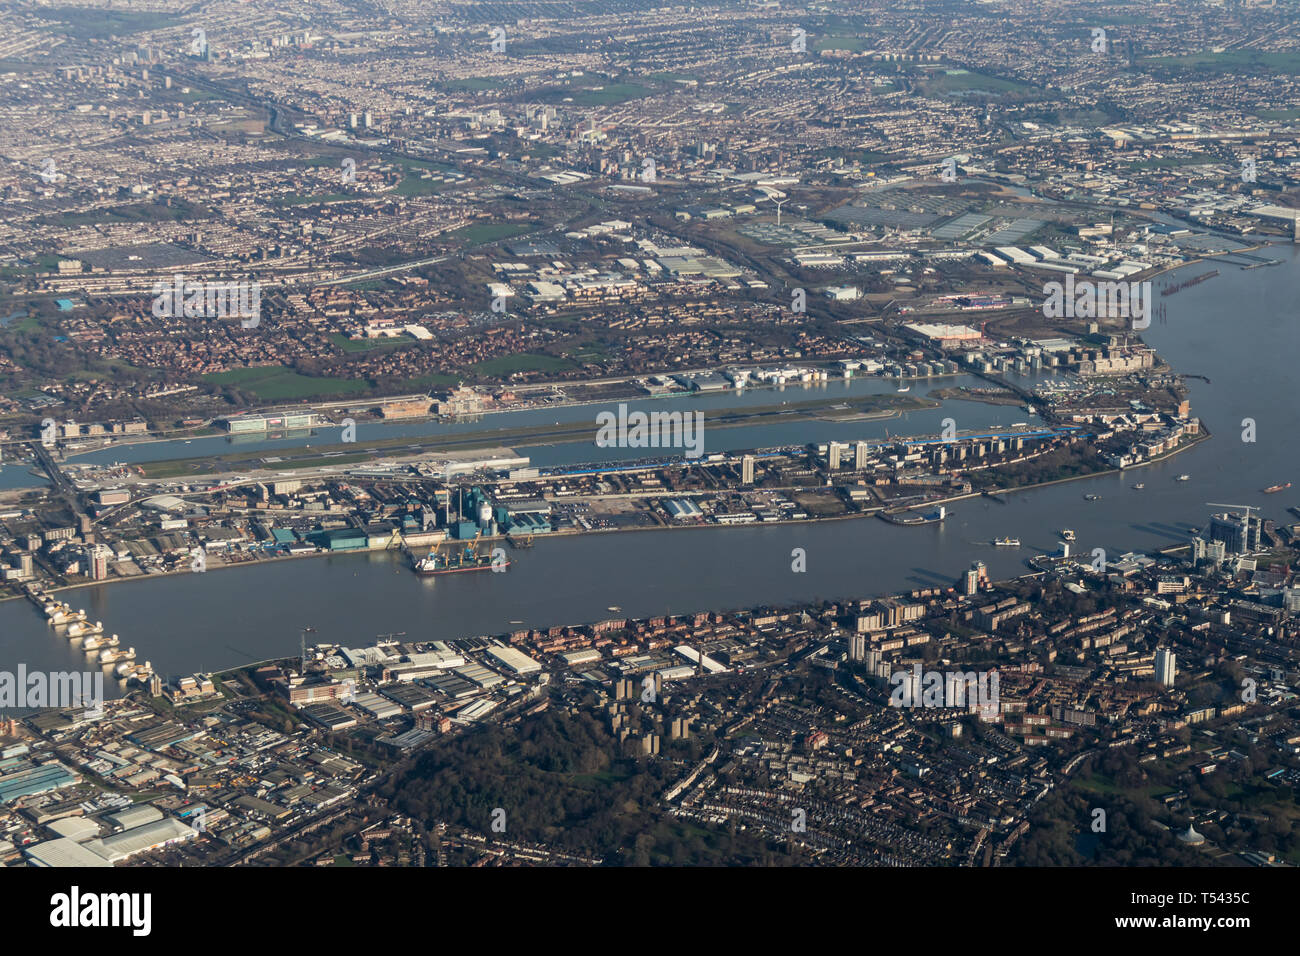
(1239, 329)
(21, 476)
(749, 436)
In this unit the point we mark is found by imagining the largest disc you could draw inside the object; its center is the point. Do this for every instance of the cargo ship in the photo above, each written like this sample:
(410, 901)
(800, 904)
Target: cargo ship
(1274, 489)
(469, 560)
(1006, 542)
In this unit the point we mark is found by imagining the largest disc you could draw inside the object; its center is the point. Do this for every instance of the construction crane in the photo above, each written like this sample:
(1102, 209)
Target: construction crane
(1246, 508)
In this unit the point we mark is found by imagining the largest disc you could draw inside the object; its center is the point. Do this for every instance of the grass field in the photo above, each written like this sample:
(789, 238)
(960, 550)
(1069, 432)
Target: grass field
(275, 383)
(482, 232)
(97, 22)
(136, 212)
(606, 95)
(1172, 162)
(415, 186)
(527, 362)
(841, 43)
(428, 381)
(367, 345)
(958, 82)
(1235, 61)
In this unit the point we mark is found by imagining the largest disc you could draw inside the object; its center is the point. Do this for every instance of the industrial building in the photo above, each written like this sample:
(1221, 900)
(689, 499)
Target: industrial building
(243, 424)
(515, 660)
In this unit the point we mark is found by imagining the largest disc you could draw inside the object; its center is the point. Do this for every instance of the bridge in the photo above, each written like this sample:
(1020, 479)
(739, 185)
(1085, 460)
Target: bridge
(62, 484)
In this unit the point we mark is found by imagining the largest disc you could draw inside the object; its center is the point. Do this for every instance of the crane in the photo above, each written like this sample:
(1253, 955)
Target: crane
(1246, 508)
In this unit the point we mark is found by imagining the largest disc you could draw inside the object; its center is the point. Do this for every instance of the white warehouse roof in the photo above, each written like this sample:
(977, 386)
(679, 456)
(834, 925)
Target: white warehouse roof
(517, 661)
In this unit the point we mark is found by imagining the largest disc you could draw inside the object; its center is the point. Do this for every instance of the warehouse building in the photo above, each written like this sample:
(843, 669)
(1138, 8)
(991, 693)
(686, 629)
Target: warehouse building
(515, 660)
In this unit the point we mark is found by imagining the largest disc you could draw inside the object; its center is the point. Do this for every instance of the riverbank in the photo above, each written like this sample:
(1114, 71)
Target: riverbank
(583, 532)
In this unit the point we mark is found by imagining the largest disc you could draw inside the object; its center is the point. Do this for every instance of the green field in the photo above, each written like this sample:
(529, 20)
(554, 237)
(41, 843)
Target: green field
(942, 82)
(1235, 61)
(136, 212)
(482, 232)
(527, 362)
(415, 186)
(421, 382)
(606, 95)
(1172, 162)
(841, 43)
(275, 383)
(367, 345)
(96, 22)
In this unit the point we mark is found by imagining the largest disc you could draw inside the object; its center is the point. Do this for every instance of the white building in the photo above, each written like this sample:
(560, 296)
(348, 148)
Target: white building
(1165, 666)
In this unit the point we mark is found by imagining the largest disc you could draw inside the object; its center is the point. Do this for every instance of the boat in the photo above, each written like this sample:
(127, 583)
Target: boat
(1139, 486)
(905, 388)
(1092, 497)
(469, 560)
(1274, 489)
(1006, 542)
(1067, 534)
(1182, 478)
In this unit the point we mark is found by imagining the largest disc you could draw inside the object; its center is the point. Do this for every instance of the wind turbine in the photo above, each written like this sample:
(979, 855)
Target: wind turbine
(776, 197)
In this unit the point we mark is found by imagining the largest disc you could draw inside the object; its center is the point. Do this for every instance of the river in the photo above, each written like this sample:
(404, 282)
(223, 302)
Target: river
(1238, 329)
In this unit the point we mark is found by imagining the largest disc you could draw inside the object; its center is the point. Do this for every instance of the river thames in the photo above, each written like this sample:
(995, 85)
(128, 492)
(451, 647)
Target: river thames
(1238, 329)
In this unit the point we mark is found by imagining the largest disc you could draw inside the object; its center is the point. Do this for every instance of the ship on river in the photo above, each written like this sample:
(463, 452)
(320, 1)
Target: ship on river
(468, 559)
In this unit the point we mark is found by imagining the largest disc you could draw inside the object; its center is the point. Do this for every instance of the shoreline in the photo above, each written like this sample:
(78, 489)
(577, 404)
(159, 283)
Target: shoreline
(867, 513)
